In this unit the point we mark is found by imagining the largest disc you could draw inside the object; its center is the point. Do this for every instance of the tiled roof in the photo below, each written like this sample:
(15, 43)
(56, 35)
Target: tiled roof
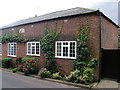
(58, 14)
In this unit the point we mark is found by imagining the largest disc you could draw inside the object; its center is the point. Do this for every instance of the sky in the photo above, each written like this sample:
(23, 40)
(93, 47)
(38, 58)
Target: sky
(14, 10)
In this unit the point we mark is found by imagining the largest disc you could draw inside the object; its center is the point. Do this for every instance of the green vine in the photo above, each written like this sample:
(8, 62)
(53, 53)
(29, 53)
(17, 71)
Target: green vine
(82, 63)
(47, 46)
(83, 50)
(8, 37)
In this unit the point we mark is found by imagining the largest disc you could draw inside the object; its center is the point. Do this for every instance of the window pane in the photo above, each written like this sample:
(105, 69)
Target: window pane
(29, 48)
(37, 48)
(37, 51)
(65, 43)
(12, 49)
(58, 49)
(65, 51)
(72, 49)
(33, 43)
(33, 49)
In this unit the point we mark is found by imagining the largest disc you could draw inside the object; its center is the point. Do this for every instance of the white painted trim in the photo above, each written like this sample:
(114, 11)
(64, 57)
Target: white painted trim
(62, 49)
(8, 50)
(31, 49)
(12, 55)
(65, 57)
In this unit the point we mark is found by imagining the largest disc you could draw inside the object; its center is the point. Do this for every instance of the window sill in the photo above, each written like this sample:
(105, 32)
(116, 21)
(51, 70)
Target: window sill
(11, 56)
(32, 55)
(65, 57)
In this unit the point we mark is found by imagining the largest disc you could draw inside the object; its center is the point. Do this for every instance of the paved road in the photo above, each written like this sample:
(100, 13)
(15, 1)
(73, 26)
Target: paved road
(13, 80)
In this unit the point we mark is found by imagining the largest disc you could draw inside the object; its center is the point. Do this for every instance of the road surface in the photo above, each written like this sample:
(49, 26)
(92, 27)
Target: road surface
(13, 80)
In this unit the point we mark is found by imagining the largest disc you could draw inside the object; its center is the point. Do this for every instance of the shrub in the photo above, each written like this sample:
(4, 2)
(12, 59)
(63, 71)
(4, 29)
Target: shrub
(79, 65)
(87, 76)
(20, 67)
(6, 62)
(52, 66)
(19, 61)
(92, 63)
(45, 74)
(30, 67)
(73, 76)
(56, 76)
(42, 70)
(27, 59)
(15, 70)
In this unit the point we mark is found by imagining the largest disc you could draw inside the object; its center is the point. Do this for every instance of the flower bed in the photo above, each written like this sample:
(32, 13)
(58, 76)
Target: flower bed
(29, 66)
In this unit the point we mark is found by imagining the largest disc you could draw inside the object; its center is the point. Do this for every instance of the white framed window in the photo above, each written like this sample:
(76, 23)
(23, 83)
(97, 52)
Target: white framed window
(33, 48)
(65, 49)
(12, 49)
(0, 48)
(22, 30)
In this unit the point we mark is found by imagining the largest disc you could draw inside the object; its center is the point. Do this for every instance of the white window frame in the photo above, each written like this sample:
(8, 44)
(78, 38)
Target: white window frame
(31, 49)
(67, 57)
(1, 49)
(13, 49)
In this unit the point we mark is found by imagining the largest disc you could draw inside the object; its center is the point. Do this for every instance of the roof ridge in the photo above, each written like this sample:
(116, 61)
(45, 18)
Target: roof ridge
(60, 11)
(52, 15)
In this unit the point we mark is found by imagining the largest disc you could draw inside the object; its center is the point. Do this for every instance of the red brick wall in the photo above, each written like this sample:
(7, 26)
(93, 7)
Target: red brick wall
(21, 52)
(109, 35)
(69, 31)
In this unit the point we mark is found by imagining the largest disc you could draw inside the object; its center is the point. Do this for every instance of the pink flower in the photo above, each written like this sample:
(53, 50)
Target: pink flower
(30, 60)
(19, 65)
(24, 69)
(26, 62)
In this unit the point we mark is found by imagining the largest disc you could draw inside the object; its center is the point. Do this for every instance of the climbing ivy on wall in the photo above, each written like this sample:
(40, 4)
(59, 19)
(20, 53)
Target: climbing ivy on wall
(84, 63)
(82, 48)
(47, 43)
(9, 37)
(83, 55)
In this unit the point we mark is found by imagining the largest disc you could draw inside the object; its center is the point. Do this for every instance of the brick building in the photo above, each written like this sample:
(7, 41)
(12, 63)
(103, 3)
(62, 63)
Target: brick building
(103, 33)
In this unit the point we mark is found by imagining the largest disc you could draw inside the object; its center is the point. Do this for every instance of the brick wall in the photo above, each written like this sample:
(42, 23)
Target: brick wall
(109, 34)
(69, 31)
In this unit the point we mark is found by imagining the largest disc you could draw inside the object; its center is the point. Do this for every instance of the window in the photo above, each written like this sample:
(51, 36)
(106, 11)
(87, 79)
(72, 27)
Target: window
(0, 48)
(22, 30)
(33, 48)
(65, 49)
(12, 49)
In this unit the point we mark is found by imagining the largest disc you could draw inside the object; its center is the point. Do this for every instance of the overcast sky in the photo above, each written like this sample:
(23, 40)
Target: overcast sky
(14, 10)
